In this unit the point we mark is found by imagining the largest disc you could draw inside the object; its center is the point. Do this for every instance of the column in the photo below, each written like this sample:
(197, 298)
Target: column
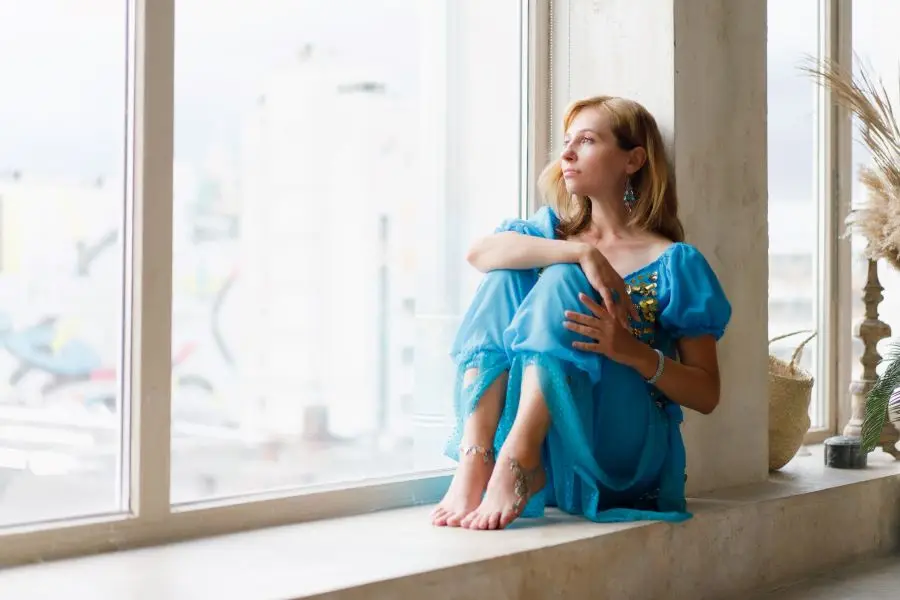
(700, 67)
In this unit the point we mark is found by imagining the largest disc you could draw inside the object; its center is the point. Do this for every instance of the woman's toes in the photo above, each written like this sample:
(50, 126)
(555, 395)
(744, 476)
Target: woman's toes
(494, 521)
(455, 520)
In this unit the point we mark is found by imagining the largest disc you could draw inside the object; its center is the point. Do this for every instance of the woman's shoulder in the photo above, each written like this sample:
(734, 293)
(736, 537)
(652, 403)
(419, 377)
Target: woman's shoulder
(694, 302)
(546, 219)
(546, 212)
(682, 255)
(541, 223)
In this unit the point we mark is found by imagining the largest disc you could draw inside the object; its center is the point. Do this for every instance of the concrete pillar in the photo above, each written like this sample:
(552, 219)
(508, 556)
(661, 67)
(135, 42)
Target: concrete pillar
(700, 67)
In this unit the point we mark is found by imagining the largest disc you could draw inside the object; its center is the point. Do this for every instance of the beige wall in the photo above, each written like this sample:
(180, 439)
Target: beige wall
(700, 67)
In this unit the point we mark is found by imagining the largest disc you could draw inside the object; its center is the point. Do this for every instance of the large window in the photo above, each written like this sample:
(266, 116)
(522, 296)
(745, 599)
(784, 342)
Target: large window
(62, 199)
(331, 161)
(878, 50)
(795, 193)
(817, 278)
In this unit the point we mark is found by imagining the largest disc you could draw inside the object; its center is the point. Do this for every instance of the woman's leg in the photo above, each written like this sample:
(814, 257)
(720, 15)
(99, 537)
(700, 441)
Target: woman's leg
(520, 474)
(480, 352)
(476, 455)
(536, 331)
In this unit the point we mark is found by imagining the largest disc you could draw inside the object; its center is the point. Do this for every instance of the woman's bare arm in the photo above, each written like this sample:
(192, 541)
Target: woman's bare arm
(511, 250)
(692, 382)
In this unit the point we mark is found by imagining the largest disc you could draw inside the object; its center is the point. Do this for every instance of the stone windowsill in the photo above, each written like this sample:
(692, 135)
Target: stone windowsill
(305, 560)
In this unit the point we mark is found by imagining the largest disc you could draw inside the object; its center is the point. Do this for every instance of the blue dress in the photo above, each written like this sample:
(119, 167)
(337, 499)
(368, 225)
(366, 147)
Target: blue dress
(614, 451)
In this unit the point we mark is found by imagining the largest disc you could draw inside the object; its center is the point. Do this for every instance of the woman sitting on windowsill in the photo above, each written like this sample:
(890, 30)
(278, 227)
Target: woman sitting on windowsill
(569, 393)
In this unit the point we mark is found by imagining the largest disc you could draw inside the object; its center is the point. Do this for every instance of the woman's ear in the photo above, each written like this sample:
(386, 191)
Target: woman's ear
(637, 156)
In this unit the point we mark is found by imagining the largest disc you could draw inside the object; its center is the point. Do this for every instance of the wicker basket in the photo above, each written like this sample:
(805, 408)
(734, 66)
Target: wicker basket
(790, 390)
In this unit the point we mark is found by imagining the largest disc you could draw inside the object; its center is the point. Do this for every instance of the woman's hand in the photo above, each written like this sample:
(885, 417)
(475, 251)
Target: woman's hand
(609, 284)
(693, 382)
(611, 338)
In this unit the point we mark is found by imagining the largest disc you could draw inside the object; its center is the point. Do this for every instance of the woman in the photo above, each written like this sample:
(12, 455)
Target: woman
(568, 390)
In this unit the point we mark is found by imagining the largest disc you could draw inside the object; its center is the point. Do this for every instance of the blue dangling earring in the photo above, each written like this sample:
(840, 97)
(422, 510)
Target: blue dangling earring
(630, 195)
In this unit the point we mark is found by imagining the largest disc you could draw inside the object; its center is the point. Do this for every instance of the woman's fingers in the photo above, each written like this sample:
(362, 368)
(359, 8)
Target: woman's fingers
(591, 332)
(599, 311)
(621, 310)
(592, 305)
(605, 295)
(632, 309)
(583, 319)
(622, 315)
(587, 347)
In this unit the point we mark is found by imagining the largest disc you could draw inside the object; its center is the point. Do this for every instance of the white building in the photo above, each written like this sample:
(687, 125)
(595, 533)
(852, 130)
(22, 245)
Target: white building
(317, 197)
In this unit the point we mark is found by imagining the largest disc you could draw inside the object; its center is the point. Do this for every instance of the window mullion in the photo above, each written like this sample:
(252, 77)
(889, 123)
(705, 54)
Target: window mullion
(150, 240)
(536, 94)
(834, 250)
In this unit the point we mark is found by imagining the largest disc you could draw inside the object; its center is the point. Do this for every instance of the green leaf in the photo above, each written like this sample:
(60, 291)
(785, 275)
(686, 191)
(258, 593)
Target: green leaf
(878, 398)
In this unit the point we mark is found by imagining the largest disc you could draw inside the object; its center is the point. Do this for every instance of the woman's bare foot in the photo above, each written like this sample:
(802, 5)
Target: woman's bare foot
(469, 482)
(511, 486)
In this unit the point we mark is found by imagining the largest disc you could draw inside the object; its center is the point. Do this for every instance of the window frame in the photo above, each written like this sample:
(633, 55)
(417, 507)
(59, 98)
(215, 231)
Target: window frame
(148, 517)
(833, 262)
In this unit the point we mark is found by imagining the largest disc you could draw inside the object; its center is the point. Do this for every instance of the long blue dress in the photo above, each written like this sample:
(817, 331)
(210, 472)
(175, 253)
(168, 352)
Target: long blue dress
(614, 451)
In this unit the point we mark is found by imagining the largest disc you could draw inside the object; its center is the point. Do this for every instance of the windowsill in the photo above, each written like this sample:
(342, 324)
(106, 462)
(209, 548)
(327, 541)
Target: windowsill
(340, 554)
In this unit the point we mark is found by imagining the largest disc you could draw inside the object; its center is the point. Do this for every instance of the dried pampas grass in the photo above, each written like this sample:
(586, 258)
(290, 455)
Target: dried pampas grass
(878, 219)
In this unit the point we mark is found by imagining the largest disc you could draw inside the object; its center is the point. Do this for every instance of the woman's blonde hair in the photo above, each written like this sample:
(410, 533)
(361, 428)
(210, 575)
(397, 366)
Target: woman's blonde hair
(656, 208)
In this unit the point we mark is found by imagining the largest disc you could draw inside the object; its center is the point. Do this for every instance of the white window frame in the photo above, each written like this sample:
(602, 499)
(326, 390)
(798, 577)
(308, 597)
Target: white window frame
(834, 187)
(150, 518)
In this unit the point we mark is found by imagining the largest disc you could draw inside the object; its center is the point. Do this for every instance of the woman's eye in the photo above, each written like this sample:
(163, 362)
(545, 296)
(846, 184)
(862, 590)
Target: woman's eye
(587, 140)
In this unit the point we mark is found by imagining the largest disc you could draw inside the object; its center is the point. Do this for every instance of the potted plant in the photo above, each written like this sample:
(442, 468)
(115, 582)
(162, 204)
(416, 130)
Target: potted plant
(878, 220)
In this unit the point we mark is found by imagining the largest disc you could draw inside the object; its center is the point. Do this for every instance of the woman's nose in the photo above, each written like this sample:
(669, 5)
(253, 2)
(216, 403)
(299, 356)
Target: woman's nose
(567, 153)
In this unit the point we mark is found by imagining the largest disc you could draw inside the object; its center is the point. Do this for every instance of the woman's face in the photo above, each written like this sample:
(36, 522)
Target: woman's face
(592, 162)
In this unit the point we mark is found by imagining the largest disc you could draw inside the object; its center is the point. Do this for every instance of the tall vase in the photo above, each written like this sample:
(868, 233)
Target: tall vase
(870, 331)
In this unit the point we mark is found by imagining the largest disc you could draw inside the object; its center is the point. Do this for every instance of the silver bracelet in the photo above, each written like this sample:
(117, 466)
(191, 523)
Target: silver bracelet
(660, 366)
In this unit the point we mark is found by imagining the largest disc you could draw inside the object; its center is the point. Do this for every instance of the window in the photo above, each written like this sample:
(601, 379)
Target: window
(878, 50)
(795, 286)
(62, 200)
(331, 161)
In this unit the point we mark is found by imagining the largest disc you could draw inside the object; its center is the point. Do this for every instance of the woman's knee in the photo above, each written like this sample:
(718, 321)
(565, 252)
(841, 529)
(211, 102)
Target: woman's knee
(514, 282)
(563, 280)
(505, 290)
(538, 326)
(490, 312)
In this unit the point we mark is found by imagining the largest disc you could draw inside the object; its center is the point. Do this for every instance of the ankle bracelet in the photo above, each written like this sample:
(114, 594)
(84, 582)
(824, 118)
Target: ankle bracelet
(487, 454)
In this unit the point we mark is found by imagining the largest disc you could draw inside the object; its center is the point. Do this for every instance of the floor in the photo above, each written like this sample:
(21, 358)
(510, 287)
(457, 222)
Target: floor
(875, 580)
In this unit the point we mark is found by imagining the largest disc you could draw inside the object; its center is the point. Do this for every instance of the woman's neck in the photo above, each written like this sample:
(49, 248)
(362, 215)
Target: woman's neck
(609, 219)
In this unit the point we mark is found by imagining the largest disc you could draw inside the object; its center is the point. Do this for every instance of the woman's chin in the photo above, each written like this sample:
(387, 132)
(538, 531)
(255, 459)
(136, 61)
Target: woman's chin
(574, 189)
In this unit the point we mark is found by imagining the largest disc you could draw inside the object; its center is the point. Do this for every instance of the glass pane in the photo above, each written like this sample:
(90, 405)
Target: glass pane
(793, 202)
(878, 47)
(62, 157)
(333, 161)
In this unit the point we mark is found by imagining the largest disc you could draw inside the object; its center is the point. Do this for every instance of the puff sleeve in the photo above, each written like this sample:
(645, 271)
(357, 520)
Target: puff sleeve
(541, 224)
(693, 301)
